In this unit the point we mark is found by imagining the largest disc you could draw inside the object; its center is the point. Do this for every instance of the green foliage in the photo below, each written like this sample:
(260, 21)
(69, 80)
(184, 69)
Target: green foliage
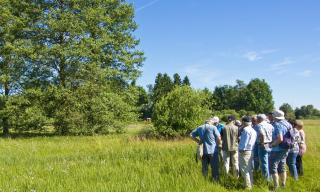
(25, 112)
(307, 112)
(70, 63)
(84, 111)
(223, 114)
(288, 111)
(259, 96)
(180, 111)
(186, 81)
(256, 96)
(177, 79)
(163, 85)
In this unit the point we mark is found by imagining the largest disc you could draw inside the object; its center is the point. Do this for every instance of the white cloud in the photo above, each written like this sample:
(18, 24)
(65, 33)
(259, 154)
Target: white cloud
(280, 67)
(258, 55)
(203, 73)
(146, 5)
(305, 73)
(252, 56)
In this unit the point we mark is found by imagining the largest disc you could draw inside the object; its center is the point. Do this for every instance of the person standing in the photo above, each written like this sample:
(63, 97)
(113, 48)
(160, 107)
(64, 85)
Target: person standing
(265, 138)
(278, 154)
(247, 140)
(293, 152)
(209, 137)
(256, 127)
(302, 146)
(230, 146)
(220, 127)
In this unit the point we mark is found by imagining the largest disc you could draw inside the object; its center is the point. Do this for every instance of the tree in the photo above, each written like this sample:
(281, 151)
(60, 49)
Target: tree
(224, 97)
(163, 85)
(177, 80)
(16, 19)
(186, 81)
(84, 51)
(307, 111)
(260, 97)
(180, 111)
(287, 109)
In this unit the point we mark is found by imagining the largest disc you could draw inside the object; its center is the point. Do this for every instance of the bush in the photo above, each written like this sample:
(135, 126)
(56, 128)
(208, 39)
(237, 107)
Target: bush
(25, 111)
(88, 110)
(179, 112)
(223, 114)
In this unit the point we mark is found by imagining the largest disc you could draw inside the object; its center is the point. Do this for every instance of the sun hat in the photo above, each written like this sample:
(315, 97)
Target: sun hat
(262, 117)
(215, 119)
(278, 114)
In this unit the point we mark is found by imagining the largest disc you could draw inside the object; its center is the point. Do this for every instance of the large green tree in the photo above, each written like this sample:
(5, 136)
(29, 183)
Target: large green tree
(17, 18)
(80, 53)
(259, 97)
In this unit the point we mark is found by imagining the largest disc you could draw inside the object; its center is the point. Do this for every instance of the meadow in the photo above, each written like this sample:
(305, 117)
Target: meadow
(124, 163)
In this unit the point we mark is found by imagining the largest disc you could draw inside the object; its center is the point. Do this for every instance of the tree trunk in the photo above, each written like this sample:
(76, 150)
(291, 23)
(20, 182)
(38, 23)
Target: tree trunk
(5, 121)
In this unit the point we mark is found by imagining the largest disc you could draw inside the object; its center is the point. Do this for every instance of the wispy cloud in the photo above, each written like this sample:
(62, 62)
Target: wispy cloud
(281, 67)
(252, 56)
(257, 55)
(146, 5)
(305, 73)
(204, 72)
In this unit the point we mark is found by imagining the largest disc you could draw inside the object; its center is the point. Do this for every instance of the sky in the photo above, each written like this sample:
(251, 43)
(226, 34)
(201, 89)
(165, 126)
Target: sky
(216, 42)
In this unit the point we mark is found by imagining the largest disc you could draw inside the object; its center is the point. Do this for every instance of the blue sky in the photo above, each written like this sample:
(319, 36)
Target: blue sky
(216, 42)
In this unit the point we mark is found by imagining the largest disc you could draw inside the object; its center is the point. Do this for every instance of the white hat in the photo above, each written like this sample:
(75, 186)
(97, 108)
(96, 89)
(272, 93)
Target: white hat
(262, 117)
(278, 114)
(215, 119)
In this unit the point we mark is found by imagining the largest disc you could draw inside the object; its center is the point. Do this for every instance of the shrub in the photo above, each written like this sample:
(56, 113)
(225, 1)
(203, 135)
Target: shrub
(25, 111)
(180, 111)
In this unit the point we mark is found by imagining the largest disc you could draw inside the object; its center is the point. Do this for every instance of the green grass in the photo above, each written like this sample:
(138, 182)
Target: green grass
(123, 163)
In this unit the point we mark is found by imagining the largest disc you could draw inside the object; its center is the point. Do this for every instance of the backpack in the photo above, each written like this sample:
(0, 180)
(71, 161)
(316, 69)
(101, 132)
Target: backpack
(288, 141)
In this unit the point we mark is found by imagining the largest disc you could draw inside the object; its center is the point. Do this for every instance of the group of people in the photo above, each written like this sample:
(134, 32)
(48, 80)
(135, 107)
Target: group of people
(261, 142)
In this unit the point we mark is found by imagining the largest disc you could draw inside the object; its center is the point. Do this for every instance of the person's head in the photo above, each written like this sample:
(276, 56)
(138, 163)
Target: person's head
(215, 120)
(278, 115)
(246, 121)
(254, 119)
(209, 121)
(299, 124)
(238, 123)
(231, 118)
(270, 117)
(261, 118)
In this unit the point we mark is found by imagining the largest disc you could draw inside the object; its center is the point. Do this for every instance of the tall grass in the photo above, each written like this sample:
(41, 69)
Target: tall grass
(123, 163)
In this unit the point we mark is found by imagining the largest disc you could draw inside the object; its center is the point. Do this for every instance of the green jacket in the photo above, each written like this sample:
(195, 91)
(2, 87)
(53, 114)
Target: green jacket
(230, 136)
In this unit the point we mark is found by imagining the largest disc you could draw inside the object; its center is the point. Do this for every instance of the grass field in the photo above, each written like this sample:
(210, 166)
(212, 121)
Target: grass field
(123, 163)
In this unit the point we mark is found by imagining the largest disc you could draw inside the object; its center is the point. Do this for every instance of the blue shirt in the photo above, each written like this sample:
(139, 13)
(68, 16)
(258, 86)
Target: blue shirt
(247, 139)
(257, 128)
(280, 128)
(208, 135)
(220, 127)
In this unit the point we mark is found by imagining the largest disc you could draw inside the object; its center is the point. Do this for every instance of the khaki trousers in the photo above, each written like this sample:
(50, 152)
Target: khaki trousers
(233, 155)
(246, 169)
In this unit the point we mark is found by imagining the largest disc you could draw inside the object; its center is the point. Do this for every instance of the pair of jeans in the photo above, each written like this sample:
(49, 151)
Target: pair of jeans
(256, 157)
(213, 161)
(246, 169)
(299, 165)
(291, 162)
(278, 161)
(264, 153)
